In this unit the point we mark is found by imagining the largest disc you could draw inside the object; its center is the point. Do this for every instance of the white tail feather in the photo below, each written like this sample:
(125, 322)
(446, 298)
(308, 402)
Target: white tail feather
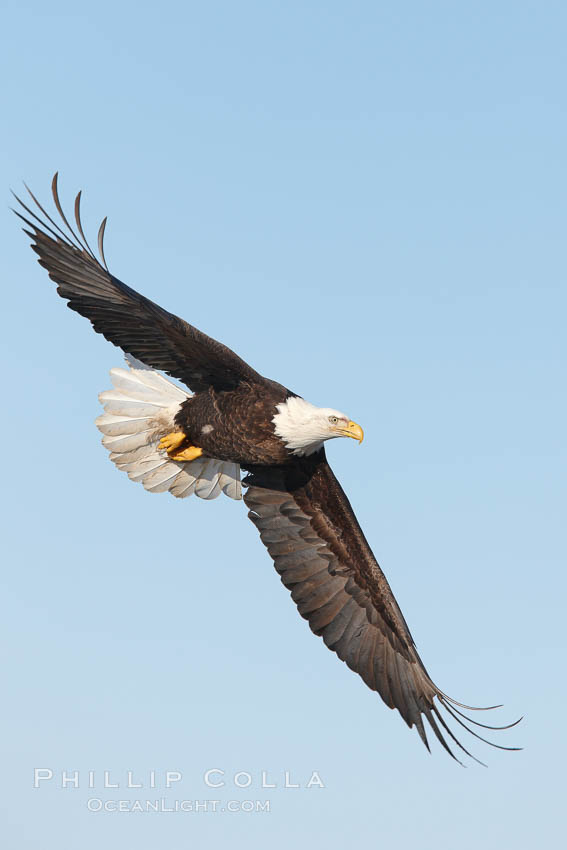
(138, 412)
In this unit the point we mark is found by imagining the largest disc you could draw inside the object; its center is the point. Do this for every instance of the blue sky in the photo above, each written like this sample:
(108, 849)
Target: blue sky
(367, 202)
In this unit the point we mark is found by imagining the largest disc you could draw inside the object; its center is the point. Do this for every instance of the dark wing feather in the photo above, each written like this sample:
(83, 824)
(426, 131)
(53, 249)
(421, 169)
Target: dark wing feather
(309, 528)
(120, 314)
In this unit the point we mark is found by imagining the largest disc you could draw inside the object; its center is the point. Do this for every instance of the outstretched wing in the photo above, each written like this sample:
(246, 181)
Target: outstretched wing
(121, 314)
(309, 528)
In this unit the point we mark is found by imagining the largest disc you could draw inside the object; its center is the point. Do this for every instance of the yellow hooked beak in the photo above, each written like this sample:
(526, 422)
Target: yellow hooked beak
(353, 430)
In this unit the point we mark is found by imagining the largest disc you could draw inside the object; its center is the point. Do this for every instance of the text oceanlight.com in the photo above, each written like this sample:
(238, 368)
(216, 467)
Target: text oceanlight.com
(96, 804)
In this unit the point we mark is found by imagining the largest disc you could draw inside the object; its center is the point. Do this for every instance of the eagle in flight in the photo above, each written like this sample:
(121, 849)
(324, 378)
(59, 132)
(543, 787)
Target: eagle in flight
(232, 420)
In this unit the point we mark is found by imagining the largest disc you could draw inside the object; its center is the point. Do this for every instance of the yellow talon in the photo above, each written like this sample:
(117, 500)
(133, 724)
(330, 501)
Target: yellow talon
(190, 453)
(171, 441)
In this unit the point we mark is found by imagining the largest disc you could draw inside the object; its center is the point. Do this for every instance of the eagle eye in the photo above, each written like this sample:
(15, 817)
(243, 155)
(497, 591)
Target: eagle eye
(333, 420)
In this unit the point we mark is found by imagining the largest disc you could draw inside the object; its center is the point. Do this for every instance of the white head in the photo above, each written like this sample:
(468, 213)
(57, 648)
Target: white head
(304, 427)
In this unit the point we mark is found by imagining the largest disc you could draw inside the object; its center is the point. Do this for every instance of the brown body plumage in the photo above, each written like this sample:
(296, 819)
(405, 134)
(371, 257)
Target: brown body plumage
(236, 425)
(304, 518)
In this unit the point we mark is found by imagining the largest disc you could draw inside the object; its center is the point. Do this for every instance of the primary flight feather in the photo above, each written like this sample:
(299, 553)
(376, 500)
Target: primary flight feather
(235, 419)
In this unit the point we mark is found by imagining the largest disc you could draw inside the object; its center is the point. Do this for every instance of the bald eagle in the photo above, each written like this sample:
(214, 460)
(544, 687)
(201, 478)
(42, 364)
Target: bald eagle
(233, 419)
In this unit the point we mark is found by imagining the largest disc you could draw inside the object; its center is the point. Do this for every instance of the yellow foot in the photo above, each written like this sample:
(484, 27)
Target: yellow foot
(189, 453)
(171, 441)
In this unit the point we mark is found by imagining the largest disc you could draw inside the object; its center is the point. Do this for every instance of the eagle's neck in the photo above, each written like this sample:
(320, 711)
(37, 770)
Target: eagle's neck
(297, 424)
